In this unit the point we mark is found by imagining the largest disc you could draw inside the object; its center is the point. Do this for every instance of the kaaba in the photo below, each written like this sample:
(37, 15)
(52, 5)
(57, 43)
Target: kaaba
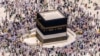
(51, 26)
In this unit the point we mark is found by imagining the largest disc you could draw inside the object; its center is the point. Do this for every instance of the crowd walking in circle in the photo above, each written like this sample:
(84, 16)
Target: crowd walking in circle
(80, 20)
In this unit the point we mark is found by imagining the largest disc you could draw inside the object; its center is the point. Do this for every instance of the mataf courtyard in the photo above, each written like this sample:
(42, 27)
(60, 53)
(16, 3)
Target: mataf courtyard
(78, 20)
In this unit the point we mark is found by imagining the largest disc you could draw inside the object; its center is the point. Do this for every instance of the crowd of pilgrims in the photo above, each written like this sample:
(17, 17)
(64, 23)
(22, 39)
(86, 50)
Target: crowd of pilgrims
(10, 31)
